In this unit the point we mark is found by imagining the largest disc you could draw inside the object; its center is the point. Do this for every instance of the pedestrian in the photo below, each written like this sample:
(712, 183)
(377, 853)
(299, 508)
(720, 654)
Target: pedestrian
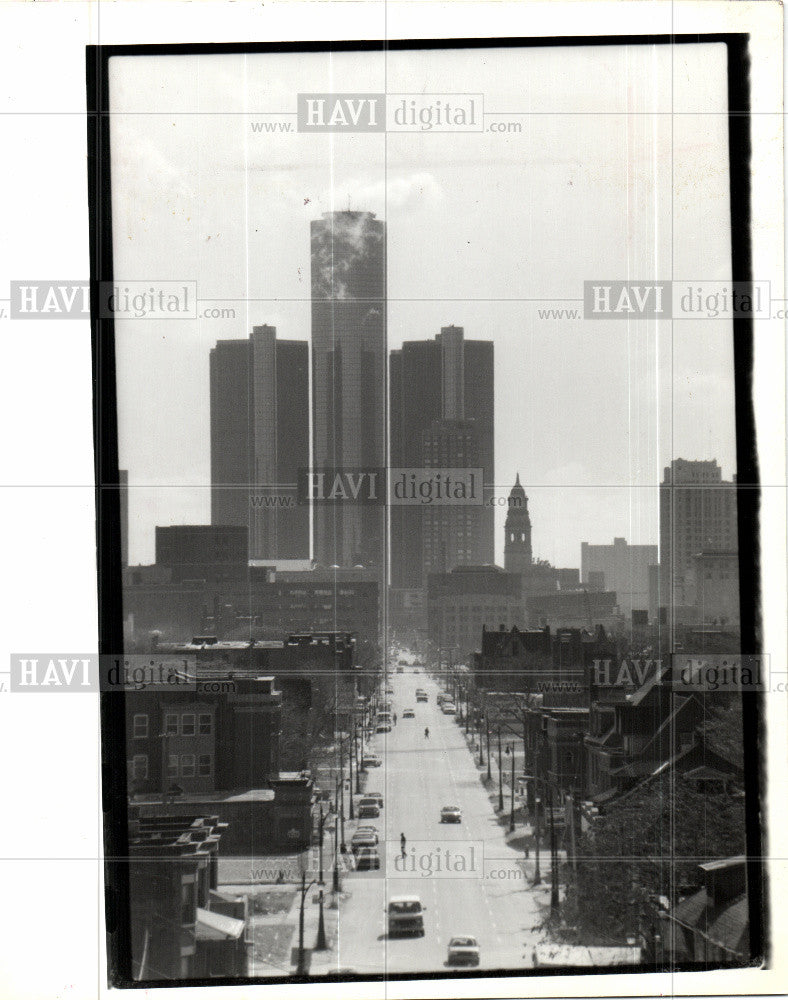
(395, 718)
(427, 733)
(402, 843)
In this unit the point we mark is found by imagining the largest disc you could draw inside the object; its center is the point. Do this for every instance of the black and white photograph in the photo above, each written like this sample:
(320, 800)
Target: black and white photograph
(435, 399)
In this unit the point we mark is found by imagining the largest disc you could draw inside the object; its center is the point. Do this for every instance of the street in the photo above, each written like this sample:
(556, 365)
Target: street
(490, 900)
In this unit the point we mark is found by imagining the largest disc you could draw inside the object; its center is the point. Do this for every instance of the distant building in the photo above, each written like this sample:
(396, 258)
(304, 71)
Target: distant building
(697, 513)
(572, 609)
(203, 551)
(441, 402)
(568, 579)
(259, 391)
(461, 603)
(625, 568)
(717, 588)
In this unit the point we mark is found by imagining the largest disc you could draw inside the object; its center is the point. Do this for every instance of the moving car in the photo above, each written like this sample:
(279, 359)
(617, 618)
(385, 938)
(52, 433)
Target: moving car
(367, 859)
(370, 760)
(368, 810)
(408, 714)
(405, 915)
(451, 814)
(422, 696)
(463, 951)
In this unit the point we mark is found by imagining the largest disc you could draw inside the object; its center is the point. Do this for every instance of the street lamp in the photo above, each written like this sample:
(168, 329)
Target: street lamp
(553, 857)
(351, 814)
(335, 882)
(481, 741)
(321, 944)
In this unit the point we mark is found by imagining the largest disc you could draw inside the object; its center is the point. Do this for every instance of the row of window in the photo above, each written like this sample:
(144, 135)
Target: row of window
(185, 765)
(175, 724)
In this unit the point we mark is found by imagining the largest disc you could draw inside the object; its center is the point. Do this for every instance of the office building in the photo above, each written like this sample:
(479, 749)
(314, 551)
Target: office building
(624, 569)
(348, 275)
(260, 439)
(697, 514)
(441, 398)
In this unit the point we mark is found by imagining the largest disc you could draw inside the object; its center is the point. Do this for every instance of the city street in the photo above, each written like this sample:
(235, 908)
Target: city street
(491, 901)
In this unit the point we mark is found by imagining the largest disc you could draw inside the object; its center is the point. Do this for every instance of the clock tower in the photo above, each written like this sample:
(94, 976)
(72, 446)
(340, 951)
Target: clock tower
(517, 556)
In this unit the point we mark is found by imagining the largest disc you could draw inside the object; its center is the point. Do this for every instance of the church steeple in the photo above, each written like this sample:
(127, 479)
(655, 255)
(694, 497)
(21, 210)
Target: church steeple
(517, 555)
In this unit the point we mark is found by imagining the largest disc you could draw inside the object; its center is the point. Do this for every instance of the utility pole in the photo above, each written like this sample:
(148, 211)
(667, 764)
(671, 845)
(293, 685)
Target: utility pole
(358, 759)
(487, 727)
(511, 811)
(537, 867)
(351, 814)
(553, 859)
(320, 846)
(500, 773)
(321, 944)
(481, 741)
(335, 886)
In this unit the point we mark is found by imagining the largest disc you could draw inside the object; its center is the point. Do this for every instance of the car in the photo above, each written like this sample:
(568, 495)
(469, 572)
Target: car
(463, 951)
(405, 915)
(362, 838)
(400, 670)
(367, 828)
(367, 859)
(371, 760)
(422, 697)
(368, 811)
(374, 799)
(383, 727)
(451, 814)
(408, 714)
(449, 708)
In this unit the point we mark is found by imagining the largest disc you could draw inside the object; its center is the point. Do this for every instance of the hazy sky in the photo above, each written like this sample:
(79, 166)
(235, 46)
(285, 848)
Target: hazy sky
(484, 230)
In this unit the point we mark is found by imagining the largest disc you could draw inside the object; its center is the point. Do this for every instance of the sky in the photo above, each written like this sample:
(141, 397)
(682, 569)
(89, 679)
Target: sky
(619, 171)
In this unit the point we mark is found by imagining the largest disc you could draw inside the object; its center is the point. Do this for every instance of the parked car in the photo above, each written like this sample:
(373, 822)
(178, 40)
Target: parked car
(363, 838)
(449, 708)
(408, 714)
(368, 811)
(451, 814)
(367, 859)
(389, 690)
(367, 828)
(383, 727)
(405, 915)
(370, 760)
(400, 670)
(375, 799)
(463, 951)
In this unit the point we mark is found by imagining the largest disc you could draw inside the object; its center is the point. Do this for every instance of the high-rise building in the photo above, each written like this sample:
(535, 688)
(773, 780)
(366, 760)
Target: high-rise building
(259, 441)
(448, 380)
(697, 514)
(348, 258)
(625, 570)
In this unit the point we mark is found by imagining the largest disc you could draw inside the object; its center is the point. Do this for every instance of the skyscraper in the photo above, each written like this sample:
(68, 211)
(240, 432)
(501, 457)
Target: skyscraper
(697, 514)
(348, 257)
(259, 440)
(441, 398)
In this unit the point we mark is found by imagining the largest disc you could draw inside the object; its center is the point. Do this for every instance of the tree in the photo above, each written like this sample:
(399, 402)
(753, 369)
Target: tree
(649, 844)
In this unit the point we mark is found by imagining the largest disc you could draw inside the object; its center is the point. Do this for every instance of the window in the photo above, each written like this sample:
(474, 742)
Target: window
(139, 766)
(140, 726)
(172, 765)
(206, 724)
(171, 725)
(204, 765)
(187, 765)
(187, 724)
